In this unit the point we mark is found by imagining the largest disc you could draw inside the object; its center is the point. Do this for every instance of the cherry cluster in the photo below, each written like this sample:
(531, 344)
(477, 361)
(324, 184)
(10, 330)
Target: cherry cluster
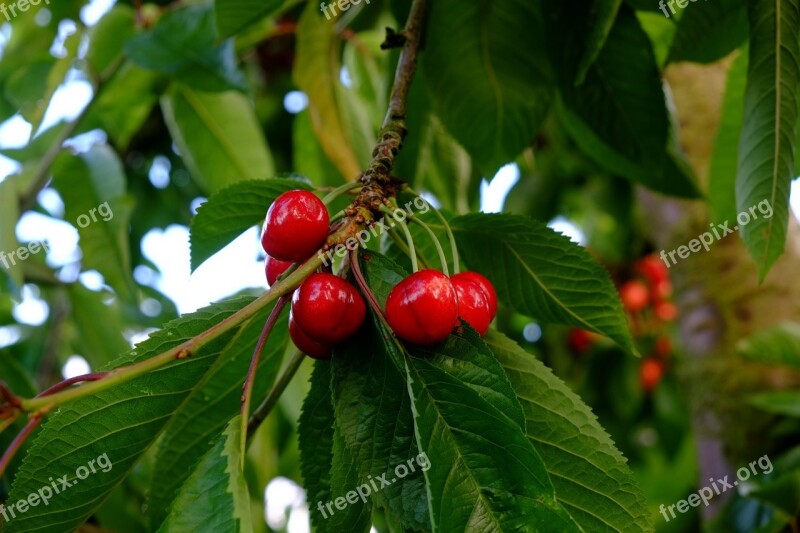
(326, 309)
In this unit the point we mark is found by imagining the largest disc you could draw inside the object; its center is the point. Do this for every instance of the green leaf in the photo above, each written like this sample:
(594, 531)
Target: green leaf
(121, 422)
(215, 497)
(234, 16)
(485, 475)
(779, 345)
(9, 216)
(542, 274)
(601, 20)
(107, 37)
(618, 116)
(98, 345)
(785, 402)
(232, 211)
(494, 96)
(210, 406)
(722, 171)
(766, 148)
(355, 517)
(218, 135)
(93, 186)
(316, 72)
(315, 433)
(183, 44)
(592, 480)
(708, 31)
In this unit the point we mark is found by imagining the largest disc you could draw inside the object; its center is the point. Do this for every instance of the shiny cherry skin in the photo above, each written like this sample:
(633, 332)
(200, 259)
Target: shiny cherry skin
(296, 226)
(650, 374)
(328, 309)
(486, 285)
(473, 306)
(274, 268)
(305, 344)
(635, 296)
(423, 308)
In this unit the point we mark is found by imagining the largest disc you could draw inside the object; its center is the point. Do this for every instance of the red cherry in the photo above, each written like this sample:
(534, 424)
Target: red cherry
(423, 308)
(635, 296)
(486, 285)
(654, 269)
(666, 311)
(296, 226)
(328, 309)
(662, 347)
(580, 341)
(473, 307)
(306, 345)
(274, 268)
(650, 374)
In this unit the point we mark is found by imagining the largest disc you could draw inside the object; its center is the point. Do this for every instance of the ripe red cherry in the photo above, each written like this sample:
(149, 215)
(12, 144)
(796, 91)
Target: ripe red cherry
(486, 285)
(653, 269)
(635, 296)
(580, 341)
(328, 309)
(274, 268)
(650, 373)
(296, 226)
(473, 306)
(309, 347)
(423, 308)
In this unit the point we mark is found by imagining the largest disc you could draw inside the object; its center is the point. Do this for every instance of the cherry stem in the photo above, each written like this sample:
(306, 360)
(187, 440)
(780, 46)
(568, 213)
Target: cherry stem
(409, 240)
(443, 220)
(403, 246)
(12, 450)
(436, 243)
(72, 381)
(342, 189)
(262, 411)
(8, 422)
(249, 382)
(9, 396)
(362, 283)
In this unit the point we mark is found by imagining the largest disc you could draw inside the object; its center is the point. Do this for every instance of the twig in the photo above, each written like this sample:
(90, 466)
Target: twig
(269, 403)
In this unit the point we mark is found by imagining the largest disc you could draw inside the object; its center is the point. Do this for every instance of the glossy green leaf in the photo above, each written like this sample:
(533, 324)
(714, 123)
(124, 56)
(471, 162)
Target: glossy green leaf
(767, 144)
(488, 78)
(591, 478)
(120, 423)
(232, 211)
(542, 274)
(184, 44)
(93, 186)
(708, 31)
(218, 135)
(215, 498)
(601, 20)
(210, 406)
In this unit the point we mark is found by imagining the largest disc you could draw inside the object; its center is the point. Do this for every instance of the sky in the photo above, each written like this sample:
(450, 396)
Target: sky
(169, 248)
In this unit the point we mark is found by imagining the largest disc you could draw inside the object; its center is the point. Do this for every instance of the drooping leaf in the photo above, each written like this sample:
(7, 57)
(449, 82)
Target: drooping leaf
(184, 44)
(233, 210)
(722, 171)
(602, 17)
(210, 406)
(779, 345)
(234, 16)
(708, 31)
(120, 423)
(767, 144)
(215, 498)
(541, 273)
(618, 115)
(493, 98)
(316, 72)
(591, 478)
(93, 186)
(218, 135)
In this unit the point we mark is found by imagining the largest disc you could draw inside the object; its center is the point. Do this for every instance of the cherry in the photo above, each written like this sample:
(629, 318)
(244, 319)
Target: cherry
(650, 374)
(296, 226)
(580, 341)
(666, 311)
(328, 309)
(653, 269)
(635, 296)
(473, 306)
(423, 308)
(274, 268)
(662, 347)
(305, 344)
(486, 285)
